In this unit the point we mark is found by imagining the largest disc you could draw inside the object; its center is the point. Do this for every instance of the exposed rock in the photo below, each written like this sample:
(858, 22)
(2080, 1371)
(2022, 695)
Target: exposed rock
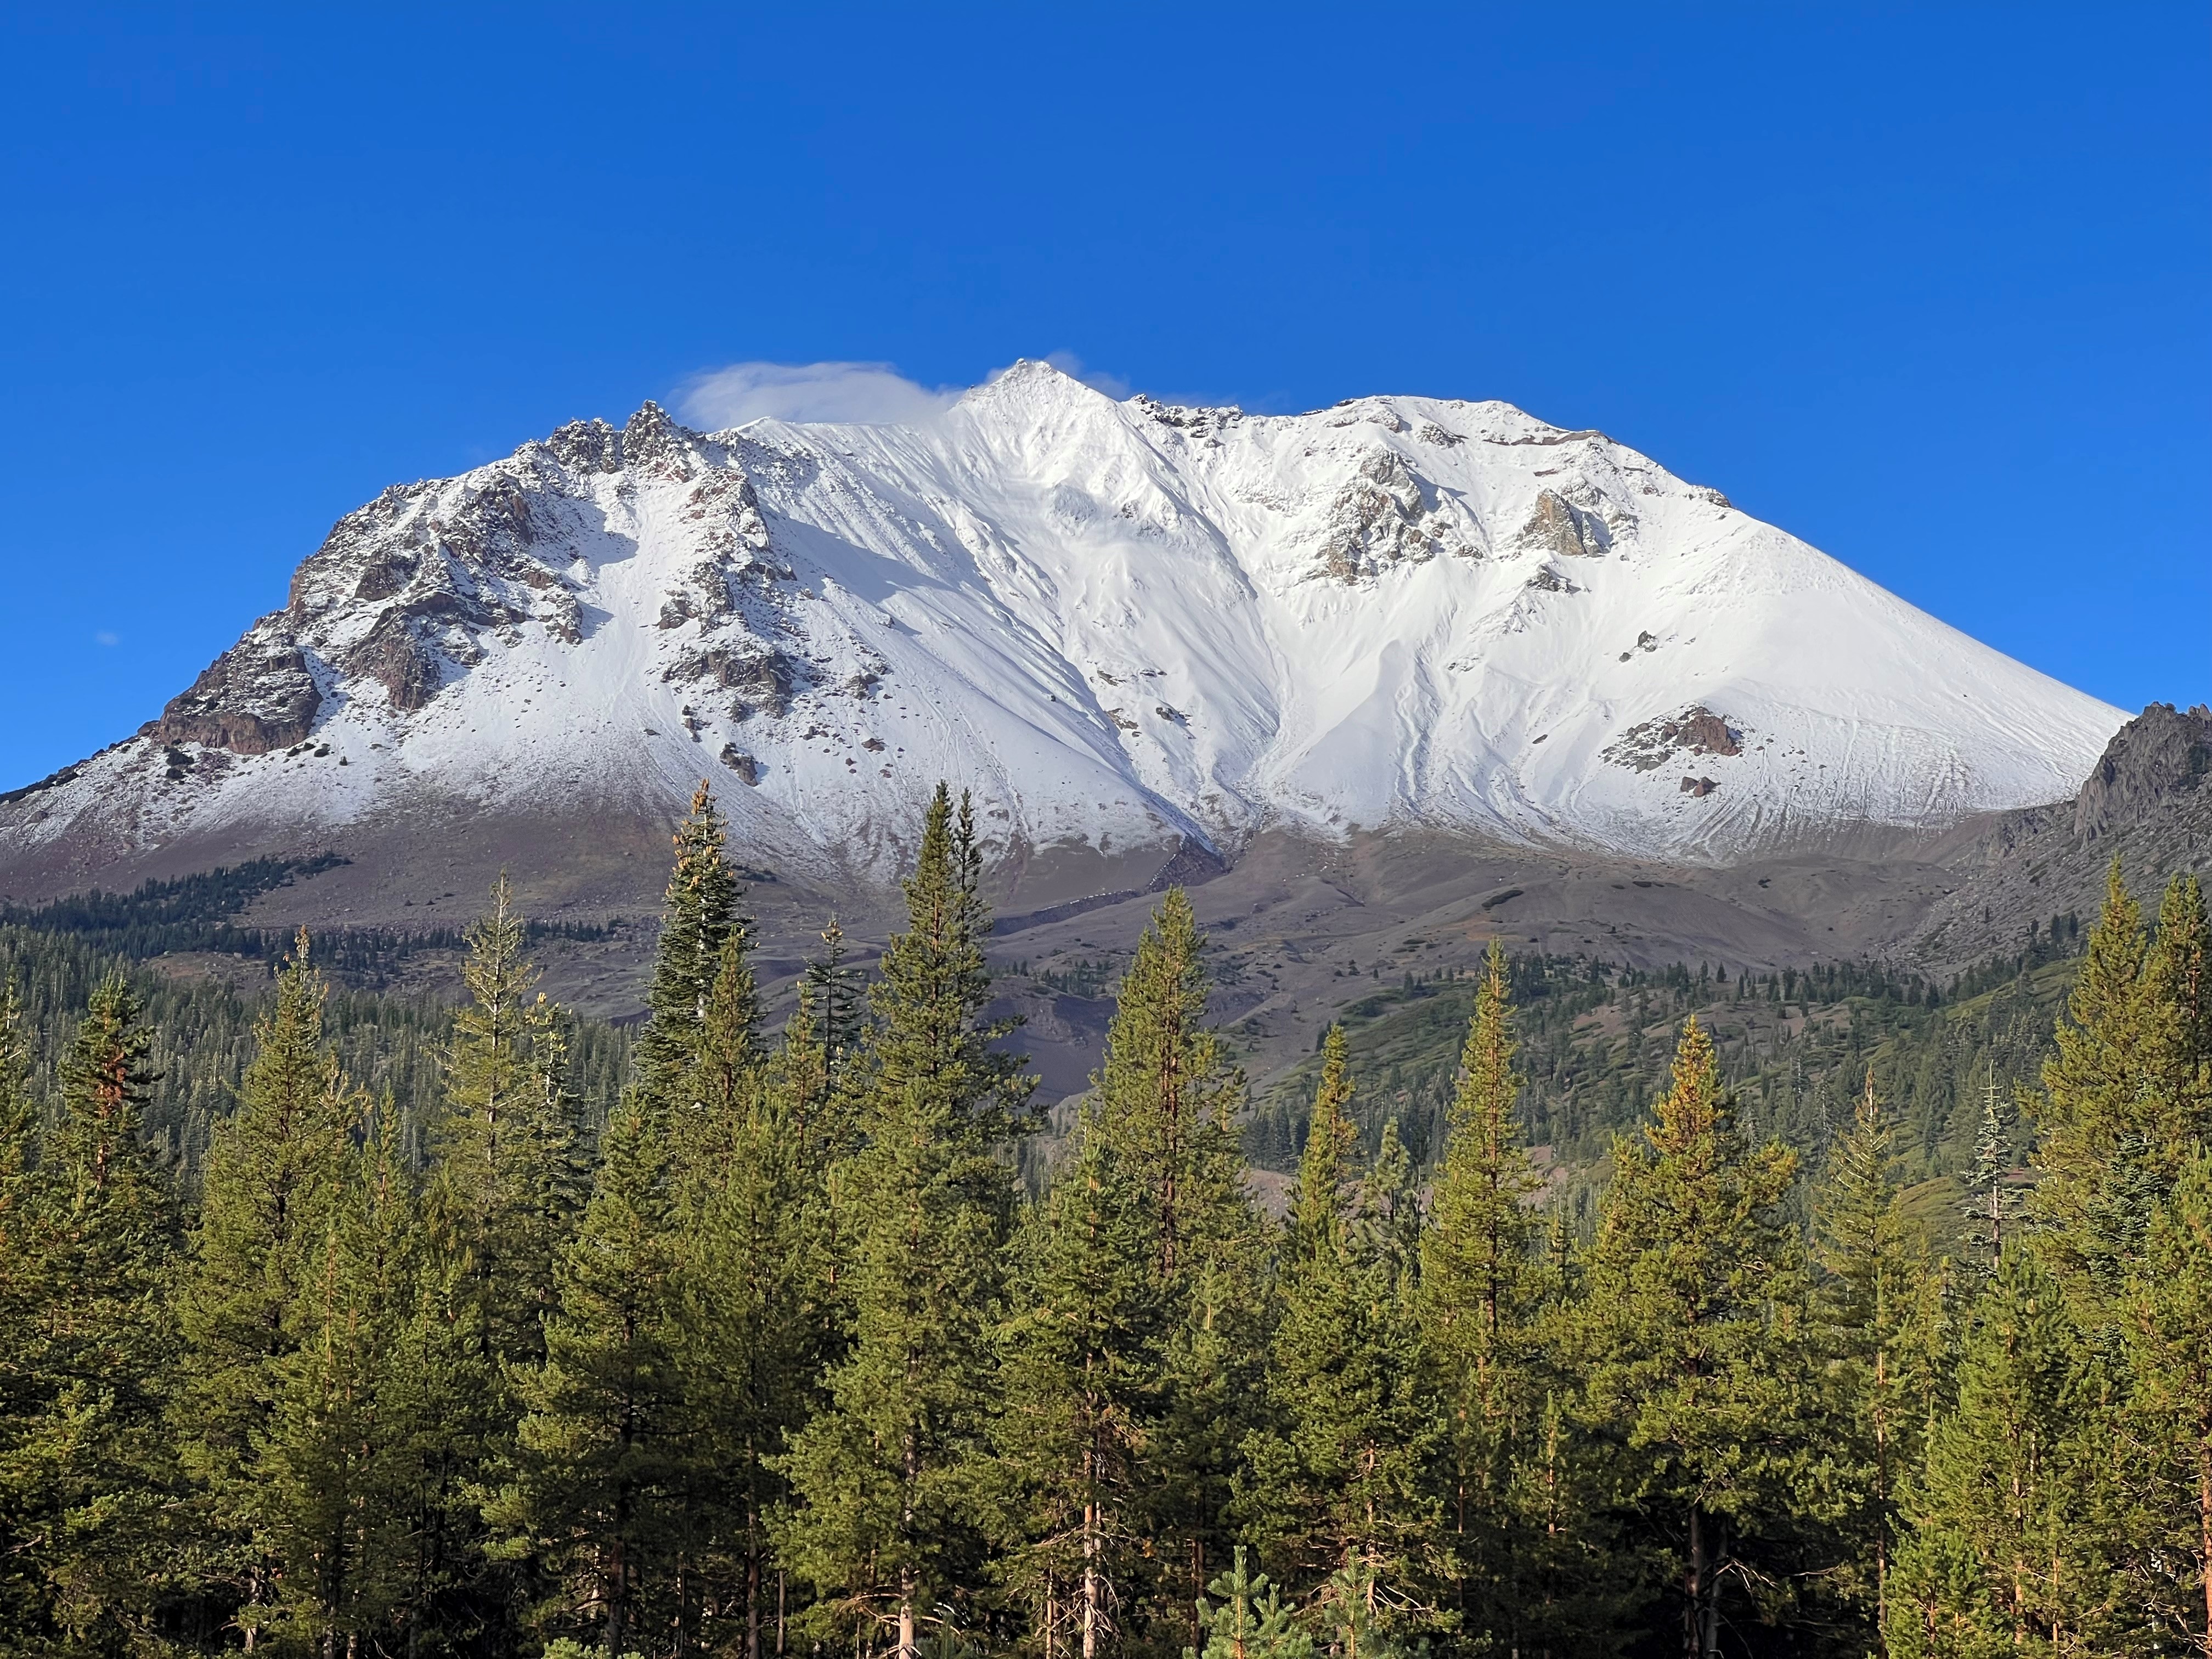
(2159, 754)
(1698, 786)
(747, 768)
(1696, 730)
(765, 677)
(1389, 515)
(1558, 526)
(257, 696)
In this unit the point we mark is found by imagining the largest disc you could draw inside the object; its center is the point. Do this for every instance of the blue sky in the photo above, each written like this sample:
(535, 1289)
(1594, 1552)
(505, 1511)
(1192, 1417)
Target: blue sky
(1926, 285)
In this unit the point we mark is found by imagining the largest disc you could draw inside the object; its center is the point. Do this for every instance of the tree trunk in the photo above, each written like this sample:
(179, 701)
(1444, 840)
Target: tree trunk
(1092, 1589)
(908, 1647)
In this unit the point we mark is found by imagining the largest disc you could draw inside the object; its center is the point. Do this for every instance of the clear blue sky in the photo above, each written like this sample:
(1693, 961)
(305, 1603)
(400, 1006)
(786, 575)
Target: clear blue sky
(1926, 285)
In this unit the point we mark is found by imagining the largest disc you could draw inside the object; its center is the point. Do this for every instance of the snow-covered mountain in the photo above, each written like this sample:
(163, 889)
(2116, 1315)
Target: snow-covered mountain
(1121, 624)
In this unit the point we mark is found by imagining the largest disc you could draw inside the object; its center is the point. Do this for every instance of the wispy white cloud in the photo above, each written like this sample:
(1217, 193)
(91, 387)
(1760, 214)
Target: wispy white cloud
(104, 637)
(873, 394)
(1097, 379)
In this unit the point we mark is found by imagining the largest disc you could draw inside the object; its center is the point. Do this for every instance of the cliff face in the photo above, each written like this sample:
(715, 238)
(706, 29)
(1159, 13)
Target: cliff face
(2148, 802)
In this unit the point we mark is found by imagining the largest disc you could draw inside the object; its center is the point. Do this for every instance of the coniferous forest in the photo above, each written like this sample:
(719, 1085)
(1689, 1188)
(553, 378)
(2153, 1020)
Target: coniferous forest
(473, 1333)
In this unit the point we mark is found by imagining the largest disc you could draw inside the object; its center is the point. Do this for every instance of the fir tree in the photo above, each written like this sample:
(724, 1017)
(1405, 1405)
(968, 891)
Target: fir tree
(339, 1457)
(26, 1283)
(508, 1177)
(601, 1462)
(751, 1240)
(1478, 1295)
(275, 1170)
(91, 1483)
(1693, 1342)
(1167, 1100)
(1250, 1621)
(1082, 1374)
(1880, 1309)
(889, 1479)
(2102, 1160)
(2000, 1556)
(2166, 1314)
(697, 913)
(1991, 1204)
(1340, 1475)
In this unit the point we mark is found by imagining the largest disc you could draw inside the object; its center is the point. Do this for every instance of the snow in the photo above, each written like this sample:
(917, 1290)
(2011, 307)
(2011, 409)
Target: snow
(1118, 623)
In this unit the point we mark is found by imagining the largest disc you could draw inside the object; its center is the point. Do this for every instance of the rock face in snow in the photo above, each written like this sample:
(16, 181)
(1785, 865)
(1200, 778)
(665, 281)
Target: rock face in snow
(1122, 624)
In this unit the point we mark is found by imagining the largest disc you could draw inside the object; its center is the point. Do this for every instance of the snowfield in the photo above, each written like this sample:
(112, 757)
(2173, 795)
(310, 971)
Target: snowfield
(1118, 622)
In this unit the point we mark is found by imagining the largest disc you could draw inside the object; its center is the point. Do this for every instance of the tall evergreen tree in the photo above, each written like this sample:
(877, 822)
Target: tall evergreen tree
(889, 1502)
(2001, 1555)
(500, 1204)
(26, 1284)
(598, 1488)
(752, 1242)
(1167, 1098)
(1881, 1312)
(1479, 1293)
(1082, 1376)
(340, 1454)
(1992, 1204)
(92, 1482)
(1694, 1344)
(275, 1170)
(1340, 1476)
(2166, 1314)
(697, 912)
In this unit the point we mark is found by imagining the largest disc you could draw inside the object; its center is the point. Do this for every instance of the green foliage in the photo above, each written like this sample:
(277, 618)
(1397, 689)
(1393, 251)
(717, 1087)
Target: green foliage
(1696, 1365)
(772, 1355)
(1250, 1621)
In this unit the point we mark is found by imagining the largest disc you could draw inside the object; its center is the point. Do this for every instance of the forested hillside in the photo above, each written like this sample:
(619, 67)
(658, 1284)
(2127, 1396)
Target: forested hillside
(334, 1324)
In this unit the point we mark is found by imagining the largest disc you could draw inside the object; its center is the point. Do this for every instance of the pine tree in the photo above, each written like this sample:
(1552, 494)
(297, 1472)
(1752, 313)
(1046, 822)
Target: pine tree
(500, 1204)
(1880, 1312)
(1340, 1475)
(1478, 1296)
(340, 1454)
(1083, 1372)
(1167, 1103)
(600, 1462)
(275, 1170)
(697, 912)
(509, 1175)
(1694, 1339)
(1251, 1621)
(2000, 1555)
(1992, 1206)
(93, 1478)
(2104, 1156)
(27, 1246)
(2166, 1314)
(751, 1239)
(889, 1503)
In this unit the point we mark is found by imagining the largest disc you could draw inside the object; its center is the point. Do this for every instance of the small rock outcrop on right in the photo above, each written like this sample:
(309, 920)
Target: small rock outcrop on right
(2147, 802)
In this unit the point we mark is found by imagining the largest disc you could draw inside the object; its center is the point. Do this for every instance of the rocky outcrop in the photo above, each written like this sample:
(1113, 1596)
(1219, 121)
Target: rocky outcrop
(1389, 515)
(2158, 756)
(257, 696)
(2148, 802)
(1651, 744)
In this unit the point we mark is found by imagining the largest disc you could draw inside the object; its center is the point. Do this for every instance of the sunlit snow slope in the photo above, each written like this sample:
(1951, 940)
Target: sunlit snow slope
(1118, 622)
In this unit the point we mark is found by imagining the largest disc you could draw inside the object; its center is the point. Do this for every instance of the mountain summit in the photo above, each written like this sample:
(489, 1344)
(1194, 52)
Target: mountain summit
(1123, 624)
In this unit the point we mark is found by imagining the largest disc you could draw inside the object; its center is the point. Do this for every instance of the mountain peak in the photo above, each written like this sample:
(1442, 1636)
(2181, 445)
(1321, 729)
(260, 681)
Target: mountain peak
(1121, 625)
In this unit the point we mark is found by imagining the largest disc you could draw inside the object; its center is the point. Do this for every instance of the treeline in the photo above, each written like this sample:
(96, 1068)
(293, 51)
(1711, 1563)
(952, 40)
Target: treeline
(194, 913)
(782, 1360)
(1794, 1049)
